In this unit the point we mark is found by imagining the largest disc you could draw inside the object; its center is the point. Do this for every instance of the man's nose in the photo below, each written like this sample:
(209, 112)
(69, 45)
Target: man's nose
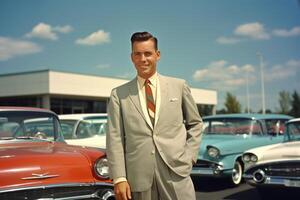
(143, 57)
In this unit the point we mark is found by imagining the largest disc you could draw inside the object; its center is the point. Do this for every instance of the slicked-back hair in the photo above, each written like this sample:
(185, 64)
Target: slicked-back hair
(143, 36)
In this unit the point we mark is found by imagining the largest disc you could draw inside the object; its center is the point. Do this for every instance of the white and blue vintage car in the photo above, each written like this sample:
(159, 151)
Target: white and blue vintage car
(275, 166)
(226, 137)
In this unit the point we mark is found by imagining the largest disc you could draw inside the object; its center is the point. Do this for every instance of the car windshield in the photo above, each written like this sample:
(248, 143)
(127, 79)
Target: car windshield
(293, 130)
(85, 129)
(231, 126)
(27, 125)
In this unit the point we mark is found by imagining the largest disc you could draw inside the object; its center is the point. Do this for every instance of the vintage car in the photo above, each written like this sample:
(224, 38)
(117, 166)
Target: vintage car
(226, 137)
(36, 163)
(276, 165)
(85, 129)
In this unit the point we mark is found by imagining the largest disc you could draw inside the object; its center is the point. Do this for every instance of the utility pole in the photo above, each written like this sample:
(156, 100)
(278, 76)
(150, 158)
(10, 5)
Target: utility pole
(247, 91)
(261, 63)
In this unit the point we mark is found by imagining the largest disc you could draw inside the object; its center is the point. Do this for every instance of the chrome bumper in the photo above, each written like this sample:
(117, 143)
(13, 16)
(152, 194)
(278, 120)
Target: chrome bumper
(273, 181)
(211, 171)
(74, 191)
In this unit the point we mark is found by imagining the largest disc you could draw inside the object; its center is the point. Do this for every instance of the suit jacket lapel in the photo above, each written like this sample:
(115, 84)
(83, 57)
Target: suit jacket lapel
(134, 96)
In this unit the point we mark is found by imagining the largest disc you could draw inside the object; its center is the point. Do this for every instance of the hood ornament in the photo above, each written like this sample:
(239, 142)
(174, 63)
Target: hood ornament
(40, 176)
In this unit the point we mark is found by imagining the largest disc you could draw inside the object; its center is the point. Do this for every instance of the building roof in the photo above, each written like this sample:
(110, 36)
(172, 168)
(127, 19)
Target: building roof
(50, 82)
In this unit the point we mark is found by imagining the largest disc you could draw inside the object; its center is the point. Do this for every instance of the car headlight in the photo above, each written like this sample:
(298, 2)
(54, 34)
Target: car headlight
(249, 157)
(246, 158)
(253, 158)
(213, 152)
(101, 168)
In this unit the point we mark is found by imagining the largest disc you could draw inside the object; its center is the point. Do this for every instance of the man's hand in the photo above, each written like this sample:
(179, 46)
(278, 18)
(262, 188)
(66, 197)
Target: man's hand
(122, 191)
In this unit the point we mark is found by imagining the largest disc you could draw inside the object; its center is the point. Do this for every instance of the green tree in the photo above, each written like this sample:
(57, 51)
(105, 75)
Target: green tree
(284, 102)
(295, 111)
(232, 105)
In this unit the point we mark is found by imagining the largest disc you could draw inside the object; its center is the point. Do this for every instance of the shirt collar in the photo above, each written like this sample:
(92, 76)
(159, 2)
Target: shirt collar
(153, 80)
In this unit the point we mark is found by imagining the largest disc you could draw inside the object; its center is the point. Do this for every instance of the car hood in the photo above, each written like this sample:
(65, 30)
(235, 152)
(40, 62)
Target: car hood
(39, 163)
(94, 141)
(229, 144)
(277, 152)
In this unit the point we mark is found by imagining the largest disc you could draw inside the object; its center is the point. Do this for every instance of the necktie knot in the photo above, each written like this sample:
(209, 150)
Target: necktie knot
(147, 82)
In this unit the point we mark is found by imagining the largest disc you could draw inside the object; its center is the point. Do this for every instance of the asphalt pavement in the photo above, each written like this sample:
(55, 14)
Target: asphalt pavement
(218, 189)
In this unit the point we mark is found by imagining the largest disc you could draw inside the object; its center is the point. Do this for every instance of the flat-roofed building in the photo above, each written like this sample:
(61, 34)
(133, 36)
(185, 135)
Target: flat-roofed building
(65, 92)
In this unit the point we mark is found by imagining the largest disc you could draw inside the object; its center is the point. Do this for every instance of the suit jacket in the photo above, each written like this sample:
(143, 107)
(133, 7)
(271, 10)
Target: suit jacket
(131, 141)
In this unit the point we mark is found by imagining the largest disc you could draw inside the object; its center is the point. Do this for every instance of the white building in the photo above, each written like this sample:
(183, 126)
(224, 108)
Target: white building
(65, 92)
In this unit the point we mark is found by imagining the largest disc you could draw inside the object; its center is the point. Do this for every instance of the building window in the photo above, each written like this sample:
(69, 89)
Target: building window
(21, 101)
(71, 106)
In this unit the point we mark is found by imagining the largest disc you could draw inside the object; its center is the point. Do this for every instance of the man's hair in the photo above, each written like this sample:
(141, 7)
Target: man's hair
(143, 36)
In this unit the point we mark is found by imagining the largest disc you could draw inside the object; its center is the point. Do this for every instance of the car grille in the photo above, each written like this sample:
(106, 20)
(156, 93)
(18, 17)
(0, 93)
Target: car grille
(57, 193)
(204, 164)
(283, 169)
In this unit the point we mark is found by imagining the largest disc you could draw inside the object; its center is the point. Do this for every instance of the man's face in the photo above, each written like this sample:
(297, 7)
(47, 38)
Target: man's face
(144, 57)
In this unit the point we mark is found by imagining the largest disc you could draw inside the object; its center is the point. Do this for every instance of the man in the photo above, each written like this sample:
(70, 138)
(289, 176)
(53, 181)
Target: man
(154, 131)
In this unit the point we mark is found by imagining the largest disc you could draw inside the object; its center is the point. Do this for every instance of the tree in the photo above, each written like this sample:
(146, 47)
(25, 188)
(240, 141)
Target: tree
(284, 102)
(295, 111)
(231, 104)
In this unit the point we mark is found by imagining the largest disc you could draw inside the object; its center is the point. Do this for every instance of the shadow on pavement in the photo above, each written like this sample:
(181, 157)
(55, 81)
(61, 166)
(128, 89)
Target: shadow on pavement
(249, 194)
(274, 194)
(210, 184)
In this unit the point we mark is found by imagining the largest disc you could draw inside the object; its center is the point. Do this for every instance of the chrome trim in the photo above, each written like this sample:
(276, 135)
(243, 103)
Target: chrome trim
(56, 185)
(40, 176)
(261, 173)
(273, 180)
(271, 169)
(106, 196)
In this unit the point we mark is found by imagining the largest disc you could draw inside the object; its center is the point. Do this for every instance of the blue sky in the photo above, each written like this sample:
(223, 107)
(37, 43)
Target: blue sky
(212, 44)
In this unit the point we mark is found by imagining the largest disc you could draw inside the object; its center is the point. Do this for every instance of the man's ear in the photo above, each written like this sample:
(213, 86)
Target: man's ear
(158, 54)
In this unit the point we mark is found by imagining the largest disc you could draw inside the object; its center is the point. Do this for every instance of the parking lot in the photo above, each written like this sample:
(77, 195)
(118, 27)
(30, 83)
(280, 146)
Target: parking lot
(217, 189)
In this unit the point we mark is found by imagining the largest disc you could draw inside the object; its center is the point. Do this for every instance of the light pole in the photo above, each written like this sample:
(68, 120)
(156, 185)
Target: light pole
(247, 91)
(261, 59)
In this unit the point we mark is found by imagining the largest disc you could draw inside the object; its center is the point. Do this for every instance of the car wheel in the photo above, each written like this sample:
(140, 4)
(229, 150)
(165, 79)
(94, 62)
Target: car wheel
(237, 172)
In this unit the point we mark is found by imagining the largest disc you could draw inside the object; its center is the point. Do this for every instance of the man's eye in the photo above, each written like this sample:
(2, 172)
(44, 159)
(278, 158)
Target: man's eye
(148, 54)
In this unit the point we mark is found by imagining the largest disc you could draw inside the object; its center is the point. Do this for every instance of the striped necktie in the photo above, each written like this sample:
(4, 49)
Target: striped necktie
(150, 101)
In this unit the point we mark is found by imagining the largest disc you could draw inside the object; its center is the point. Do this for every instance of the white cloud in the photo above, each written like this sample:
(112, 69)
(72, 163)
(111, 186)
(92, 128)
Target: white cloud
(222, 76)
(46, 31)
(253, 30)
(282, 71)
(43, 31)
(287, 33)
(248, 68)
(63, 29)
(95, 38)
(293, 63)
(10, 48)
(227, 40)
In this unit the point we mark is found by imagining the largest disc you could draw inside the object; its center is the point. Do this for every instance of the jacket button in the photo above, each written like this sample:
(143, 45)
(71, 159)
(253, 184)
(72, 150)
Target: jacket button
(153, 152)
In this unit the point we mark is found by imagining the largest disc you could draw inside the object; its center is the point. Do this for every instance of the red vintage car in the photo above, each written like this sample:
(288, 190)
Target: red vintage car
(36, 163)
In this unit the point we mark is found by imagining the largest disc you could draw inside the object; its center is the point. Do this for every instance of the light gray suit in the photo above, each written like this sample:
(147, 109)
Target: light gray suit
(131, 141)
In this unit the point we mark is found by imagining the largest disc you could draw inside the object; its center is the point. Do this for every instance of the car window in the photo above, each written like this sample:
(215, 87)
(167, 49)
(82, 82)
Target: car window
(29, 125)
(97, 126)
(84, 130)
(7, 128)
(256, 128)
(275, 126)
(68, 127)
(293, 130)
(42, 128)
(231, 126)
